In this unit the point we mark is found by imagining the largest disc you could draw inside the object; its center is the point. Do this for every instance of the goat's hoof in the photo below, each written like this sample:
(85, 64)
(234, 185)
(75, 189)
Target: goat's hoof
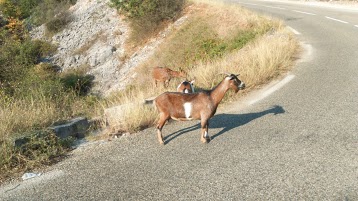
(162, 143)
(204, 140)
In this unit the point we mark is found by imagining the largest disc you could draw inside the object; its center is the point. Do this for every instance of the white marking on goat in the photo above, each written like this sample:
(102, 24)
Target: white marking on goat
(206, 134)
(187, 109)
(191, 86)
(179, 86)
(186, 91)
(242, 84)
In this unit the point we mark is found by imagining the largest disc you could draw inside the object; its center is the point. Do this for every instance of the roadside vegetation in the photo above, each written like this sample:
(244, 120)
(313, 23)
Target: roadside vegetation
(147, 18)
(34, 95)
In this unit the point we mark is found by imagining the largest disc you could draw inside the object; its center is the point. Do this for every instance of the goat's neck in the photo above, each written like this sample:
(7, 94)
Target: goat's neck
(174, 73)
(218, 93)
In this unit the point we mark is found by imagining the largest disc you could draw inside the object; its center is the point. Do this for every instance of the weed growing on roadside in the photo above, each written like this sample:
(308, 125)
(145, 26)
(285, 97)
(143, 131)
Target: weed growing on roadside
(41, 148)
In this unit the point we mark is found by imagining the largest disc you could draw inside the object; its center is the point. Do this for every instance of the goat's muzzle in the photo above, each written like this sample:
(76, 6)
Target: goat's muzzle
(242, 86)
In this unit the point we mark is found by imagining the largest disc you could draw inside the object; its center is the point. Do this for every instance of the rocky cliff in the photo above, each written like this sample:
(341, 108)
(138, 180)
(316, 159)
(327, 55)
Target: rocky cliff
(94, 40)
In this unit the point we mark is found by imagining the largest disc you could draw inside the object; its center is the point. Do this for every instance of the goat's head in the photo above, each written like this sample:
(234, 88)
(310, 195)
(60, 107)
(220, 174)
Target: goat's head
(186, 86)
(234, 82)
(182, 73)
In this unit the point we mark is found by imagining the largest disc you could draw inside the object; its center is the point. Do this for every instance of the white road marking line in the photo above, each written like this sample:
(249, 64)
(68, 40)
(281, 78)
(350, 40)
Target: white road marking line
(356, 26)
(294, 30)
(275, 7)
(252, 4)
(337, 20)
(273, 89)
(307, 13)
(307, 53)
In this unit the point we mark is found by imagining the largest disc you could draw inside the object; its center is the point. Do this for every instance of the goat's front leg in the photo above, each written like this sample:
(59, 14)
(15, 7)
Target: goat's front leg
(166, 83)
(205, 138)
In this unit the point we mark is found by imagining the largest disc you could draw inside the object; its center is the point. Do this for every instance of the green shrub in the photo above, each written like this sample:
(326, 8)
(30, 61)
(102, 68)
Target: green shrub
(77, 82)
(59, 22)
(157, 9)
(41, 148)
(40, 11)
(18, 57)
(18, 8)
(53, 10)
(147, 16)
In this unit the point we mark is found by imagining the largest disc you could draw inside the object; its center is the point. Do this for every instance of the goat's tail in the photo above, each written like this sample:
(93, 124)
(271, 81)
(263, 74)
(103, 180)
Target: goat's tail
(149, 101)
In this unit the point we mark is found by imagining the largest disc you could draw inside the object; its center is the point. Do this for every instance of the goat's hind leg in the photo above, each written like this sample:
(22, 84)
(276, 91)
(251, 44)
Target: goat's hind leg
(160, 126)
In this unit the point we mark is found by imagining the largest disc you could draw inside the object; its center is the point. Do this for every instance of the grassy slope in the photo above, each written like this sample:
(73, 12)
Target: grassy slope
(216, 38)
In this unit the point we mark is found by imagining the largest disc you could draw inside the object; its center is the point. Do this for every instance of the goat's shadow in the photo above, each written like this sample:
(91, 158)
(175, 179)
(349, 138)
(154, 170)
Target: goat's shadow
(227, 122)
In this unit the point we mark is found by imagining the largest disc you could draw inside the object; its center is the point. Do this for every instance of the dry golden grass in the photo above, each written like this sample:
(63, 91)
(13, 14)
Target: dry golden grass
(21, 115)
(131, 115)
(268, 55)
(257, 63)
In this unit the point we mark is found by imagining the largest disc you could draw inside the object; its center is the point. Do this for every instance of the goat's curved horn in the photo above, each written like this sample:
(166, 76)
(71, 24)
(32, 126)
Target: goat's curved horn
(225, 73)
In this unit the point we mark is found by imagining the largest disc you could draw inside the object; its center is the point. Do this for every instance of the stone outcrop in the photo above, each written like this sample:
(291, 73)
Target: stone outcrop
(75, 127)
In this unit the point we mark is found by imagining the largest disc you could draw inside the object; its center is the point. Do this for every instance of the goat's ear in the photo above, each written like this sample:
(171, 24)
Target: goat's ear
(192, 82)
(229, 78)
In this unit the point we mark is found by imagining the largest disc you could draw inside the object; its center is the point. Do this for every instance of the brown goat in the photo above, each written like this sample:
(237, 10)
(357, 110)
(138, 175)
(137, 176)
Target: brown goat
(189, 106)
(163, 74)
(186, 87)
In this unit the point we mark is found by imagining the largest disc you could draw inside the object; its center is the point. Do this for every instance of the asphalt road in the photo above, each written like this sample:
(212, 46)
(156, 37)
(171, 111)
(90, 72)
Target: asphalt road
(297, 140)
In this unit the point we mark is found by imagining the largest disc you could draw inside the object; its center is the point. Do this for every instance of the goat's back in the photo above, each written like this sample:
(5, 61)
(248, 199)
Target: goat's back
(161, 73)
(172, 103)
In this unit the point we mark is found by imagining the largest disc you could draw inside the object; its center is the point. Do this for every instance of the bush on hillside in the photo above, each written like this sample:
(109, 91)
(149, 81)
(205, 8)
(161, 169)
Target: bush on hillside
(59, 22)
(157, 10)
(77, 82)
(22, 9)
(146, 16)
(53, 13)
(11, 8)
(17, 57)
(56, 12)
